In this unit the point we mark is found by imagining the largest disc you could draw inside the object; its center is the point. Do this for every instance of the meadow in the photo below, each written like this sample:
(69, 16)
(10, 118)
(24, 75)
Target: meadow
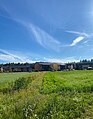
(47, 95)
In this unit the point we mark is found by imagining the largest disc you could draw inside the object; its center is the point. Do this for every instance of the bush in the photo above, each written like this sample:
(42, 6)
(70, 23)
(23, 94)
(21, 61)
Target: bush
(21, 83)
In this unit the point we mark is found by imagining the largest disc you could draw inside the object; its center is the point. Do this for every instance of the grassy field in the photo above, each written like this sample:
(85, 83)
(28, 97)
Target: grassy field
(46, 95)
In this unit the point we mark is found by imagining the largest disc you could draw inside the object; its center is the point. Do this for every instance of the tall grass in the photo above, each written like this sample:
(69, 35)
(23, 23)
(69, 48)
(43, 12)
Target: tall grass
(76, 81)
(48, 95)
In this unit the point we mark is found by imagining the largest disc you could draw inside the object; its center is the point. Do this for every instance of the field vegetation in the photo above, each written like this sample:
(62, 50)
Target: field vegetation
(46, 95)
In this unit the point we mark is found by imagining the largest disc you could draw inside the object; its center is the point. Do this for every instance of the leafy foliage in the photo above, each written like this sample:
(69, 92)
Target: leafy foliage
(21, 83)
(76, 81)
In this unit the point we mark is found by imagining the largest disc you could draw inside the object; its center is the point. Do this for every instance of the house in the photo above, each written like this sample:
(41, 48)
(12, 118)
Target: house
(17, 68)
(70, 66)
(42, 66)
(84, 66)
(46, 66)
(1, 69)
(88, 66)
(62, 67)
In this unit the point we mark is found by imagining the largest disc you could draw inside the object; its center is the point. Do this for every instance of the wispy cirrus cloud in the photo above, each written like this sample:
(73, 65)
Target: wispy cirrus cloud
(79, 33)
(45, 39)
(77, 40)
(41, 37)
(62, 60)
(7, 56)
(81, 36)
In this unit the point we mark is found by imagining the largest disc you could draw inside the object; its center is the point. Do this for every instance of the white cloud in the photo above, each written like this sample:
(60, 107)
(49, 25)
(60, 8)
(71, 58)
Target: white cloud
(62, 60)
(45, 39)
(77, 40)
(8, 58)
(41, 37)
(85, 42)
(12, 57)
(79, 33)
(81, 36)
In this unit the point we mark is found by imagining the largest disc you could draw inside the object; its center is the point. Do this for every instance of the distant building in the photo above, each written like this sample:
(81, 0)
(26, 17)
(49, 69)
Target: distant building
(62, 67)
(45, 66)
(1, 69)
(70, 66)
(42, 66)
(17, 68)
(84, 66)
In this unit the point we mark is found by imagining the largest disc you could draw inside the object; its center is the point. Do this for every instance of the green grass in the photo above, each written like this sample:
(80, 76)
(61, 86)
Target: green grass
(7, 78)
(80, 81)
(46, 95)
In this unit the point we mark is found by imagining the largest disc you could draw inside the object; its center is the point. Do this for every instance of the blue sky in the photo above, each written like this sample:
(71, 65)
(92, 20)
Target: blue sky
(46, 30)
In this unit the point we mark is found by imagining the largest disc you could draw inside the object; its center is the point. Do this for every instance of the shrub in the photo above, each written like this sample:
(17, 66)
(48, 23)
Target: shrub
(21, 83)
